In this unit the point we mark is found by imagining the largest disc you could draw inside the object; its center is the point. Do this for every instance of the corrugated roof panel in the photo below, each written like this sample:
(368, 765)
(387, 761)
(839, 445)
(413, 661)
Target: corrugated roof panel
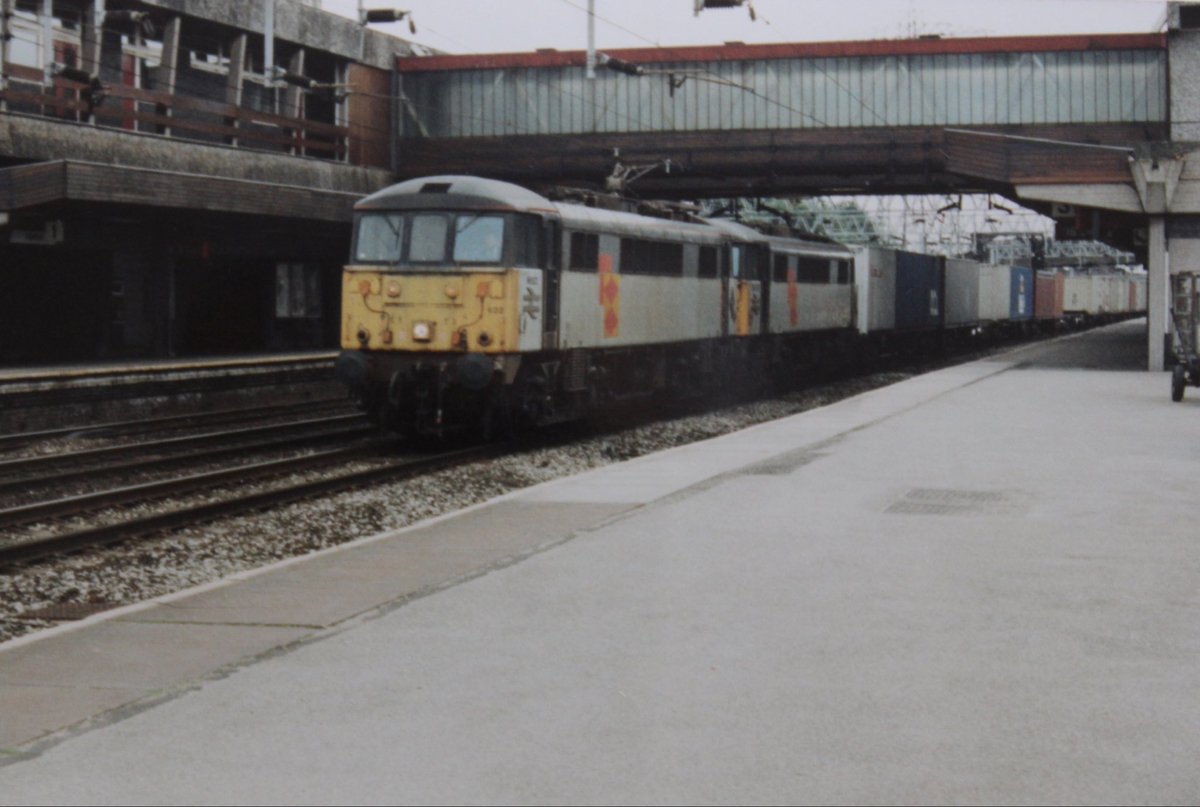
(855, 91)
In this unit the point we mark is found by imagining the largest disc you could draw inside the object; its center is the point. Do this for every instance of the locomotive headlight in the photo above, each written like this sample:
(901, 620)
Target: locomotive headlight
(422, 331)
(393, 289)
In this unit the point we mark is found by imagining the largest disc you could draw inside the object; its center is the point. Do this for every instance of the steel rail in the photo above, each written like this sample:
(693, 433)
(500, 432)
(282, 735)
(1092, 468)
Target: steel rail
(202, 455)
(151, 424)
(25, 464)
(190, 515)
(149, 491)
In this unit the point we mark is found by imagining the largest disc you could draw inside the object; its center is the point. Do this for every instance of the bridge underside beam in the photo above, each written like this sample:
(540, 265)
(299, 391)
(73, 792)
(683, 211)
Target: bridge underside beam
(730, 163)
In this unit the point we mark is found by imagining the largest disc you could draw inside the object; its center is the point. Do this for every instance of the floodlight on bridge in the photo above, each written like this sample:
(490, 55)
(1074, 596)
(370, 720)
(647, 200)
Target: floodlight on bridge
(367, 16)
(701, 5)
(620, 65)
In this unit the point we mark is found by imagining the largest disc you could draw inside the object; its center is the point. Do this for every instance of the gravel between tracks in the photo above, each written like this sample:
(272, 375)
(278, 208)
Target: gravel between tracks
(141, 570)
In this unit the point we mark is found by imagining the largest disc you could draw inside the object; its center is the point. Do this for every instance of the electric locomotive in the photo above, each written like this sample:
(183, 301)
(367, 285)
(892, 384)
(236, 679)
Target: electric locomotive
(476, 303)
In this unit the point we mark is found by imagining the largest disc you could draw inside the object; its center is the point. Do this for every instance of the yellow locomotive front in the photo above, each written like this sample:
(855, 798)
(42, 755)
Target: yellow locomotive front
(444, 296)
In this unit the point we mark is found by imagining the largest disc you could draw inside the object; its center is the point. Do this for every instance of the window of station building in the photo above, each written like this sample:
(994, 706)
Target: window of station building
(147, 54)
(708, 262)
(297, 291)
(477, 239)
(26, 32)
(585, 252)
(379, 238)
(427, 242)
(211, 57)
(25, 46)
(67, 14)
(643, 257)
(812, 270)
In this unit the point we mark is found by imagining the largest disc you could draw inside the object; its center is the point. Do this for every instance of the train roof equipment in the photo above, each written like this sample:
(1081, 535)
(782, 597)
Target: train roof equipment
(458, 193)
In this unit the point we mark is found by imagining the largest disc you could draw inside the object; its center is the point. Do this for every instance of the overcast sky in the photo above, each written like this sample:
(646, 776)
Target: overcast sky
(489, 26)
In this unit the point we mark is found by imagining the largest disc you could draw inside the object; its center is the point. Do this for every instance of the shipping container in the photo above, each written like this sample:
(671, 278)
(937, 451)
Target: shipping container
(995, 295)
(1115, 297)
(1048, 295)
(1077, 294)
(918, 291)
(875, 277)
(962, 292)
(1020, 292)
(1140, 282)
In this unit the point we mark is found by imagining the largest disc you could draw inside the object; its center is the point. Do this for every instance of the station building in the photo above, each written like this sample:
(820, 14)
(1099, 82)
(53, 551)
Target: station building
(177, 176)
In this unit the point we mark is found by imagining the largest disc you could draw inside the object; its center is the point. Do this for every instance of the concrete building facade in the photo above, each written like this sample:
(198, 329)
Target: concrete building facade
(176, 178)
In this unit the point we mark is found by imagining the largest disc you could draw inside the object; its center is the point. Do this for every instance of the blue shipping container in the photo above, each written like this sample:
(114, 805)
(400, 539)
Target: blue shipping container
(918, 291)
(1021, 294)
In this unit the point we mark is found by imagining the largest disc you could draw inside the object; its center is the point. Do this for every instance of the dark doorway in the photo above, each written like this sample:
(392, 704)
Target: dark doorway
(223, 305)
(54, 304)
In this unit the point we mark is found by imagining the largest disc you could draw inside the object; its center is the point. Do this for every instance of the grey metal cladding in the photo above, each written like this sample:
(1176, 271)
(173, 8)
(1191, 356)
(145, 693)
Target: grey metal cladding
(1103, 86)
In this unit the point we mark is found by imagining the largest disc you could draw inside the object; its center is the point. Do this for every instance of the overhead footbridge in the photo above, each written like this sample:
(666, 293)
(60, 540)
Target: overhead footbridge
(737, 119)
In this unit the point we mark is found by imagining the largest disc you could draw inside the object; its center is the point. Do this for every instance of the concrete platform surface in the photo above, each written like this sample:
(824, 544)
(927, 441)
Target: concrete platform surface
(977, 586)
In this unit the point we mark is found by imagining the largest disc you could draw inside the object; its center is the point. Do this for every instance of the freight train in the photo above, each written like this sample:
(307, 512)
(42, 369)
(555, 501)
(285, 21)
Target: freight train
(473, 303)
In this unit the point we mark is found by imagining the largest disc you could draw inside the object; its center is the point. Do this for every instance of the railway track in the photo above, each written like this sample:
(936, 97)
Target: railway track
(190, 421)
(231, 503)
(26, 472)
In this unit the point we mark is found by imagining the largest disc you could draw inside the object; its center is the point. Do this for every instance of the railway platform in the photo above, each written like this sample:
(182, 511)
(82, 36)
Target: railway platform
(977, 585)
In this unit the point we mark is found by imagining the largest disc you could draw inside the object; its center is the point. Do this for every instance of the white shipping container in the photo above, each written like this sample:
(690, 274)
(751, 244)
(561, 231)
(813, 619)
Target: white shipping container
(1077, 293)
(875, 277)
(995, 290)
(962, 292)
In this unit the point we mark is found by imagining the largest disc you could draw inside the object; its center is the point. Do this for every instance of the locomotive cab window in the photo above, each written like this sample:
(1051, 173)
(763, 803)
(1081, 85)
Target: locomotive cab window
(439, 239)
(380, 236)
(427, 242)
(479, 239)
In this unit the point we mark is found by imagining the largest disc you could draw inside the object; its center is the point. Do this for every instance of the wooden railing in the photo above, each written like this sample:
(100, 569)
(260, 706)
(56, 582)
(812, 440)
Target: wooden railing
(180, 116)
